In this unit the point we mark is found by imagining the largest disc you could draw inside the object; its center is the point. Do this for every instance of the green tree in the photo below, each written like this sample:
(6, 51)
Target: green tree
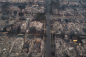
(5, 8)
(55, 4)
(40, 16)
(21, 7)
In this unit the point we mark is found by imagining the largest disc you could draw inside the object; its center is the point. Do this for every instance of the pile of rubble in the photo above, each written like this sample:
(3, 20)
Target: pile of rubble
(5, 45)
(24, 26)
(67, 47)
(80, 50)
(10, 47)
(37, 25)
(63, 49)
(37, 47)
(2, 22)
(2, 25)
(11, 22)
(57, 27)
(84, 42)
(77, 27)
(17, 46)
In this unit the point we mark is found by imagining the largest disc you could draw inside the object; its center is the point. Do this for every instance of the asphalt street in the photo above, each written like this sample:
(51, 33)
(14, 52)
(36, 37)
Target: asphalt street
(48, 39)
(56, 17)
